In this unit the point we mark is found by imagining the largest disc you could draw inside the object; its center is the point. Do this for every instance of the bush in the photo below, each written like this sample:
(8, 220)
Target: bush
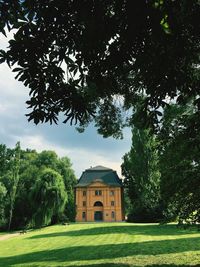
(144, 215)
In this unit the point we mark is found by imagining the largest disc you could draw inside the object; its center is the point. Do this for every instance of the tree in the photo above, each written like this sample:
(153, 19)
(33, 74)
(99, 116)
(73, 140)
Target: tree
(180, 164)
(2, 205)
(95, 58)
(142, 177)
(14, 176)
(49, 197)
(18, 194)
(6, 158)
(4, 167)
(28, 175)
(47, 159)
(3, 159)
(33, 164)
(69, 178)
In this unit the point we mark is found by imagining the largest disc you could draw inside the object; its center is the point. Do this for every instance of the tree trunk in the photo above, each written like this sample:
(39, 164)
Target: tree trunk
(10, 218)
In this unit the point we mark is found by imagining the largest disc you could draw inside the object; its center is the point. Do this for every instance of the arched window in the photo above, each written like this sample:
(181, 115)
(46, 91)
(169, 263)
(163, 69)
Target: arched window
(98, 204)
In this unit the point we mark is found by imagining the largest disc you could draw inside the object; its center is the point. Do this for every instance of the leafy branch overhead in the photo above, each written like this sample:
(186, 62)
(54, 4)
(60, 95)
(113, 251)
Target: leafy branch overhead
(77, 56)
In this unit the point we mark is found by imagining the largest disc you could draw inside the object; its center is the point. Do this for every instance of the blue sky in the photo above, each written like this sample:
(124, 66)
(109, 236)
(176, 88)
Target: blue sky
(84, 150)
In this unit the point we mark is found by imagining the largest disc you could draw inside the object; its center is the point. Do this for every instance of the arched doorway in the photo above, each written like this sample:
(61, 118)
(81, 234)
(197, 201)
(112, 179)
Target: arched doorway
(98, 211)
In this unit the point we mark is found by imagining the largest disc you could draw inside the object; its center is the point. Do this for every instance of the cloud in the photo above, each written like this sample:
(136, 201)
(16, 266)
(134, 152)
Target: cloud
(80, 158)
(84, 150)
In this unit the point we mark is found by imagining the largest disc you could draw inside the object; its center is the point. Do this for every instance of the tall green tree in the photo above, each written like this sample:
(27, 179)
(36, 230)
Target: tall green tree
(142, 177)
(3, 159)
(14, 176)
(3, 192)
(48, 196)
(180, 164)
(69, 178)
(28, 175)
(19, 193)
(4, 166)
(47, 159)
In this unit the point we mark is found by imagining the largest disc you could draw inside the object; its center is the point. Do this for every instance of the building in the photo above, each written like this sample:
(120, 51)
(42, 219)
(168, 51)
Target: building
(99, 195)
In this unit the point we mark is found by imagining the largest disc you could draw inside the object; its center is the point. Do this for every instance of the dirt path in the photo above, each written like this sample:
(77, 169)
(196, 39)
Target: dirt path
(5, 237)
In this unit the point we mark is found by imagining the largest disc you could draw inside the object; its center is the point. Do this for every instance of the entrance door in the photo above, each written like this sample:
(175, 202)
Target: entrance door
(98, 216)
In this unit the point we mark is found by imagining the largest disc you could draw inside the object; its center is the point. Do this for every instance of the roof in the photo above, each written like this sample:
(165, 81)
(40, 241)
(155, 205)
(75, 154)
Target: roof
(99, 168)
(101, 174)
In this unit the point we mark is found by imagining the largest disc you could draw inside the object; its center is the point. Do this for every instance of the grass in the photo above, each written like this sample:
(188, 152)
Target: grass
(6, 233)
(103, 245)
(2, 233)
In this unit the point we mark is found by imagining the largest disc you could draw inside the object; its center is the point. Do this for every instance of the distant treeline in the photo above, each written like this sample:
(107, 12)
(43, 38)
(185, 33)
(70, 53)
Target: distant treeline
(36, 189)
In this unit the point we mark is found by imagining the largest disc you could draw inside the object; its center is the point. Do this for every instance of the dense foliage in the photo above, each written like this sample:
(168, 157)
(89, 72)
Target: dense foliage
(162, 172)
(180, 163)
(95, 58)
(36, 189)
(142, 178)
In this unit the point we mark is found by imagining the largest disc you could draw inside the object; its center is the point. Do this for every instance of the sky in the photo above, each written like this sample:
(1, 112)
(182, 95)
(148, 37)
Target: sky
(84, 149)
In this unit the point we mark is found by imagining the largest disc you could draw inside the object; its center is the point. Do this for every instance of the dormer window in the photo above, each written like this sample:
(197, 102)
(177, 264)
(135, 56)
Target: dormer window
(98, 192)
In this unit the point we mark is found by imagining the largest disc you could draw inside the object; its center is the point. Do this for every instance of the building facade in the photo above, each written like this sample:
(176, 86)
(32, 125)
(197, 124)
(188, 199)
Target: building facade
(99, 196)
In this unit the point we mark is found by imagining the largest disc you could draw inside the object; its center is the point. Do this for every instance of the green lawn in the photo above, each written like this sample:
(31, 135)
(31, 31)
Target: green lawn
(103, 245)
(2, 233)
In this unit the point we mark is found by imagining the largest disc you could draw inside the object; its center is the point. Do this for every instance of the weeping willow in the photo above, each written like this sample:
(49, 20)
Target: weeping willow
(49, 197)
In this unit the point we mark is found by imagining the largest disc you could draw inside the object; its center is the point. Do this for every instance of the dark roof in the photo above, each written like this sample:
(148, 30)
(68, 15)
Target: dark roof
(99, 168)
(101, 174)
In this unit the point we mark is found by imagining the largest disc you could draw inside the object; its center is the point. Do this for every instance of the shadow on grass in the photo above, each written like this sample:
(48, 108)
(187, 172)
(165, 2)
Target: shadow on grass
(171, 265)
(103, 265)
(131, 265)
(111, 264)
(110, 251)
(152, 230)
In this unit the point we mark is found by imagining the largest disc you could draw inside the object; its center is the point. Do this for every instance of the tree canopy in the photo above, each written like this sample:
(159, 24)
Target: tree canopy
(142, 177)
(49, 197)
(162, 171)
(179, 163)
(35, 189)
(95, 59)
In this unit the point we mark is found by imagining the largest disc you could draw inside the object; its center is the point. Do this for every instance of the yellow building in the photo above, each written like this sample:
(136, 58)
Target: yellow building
(99, 195)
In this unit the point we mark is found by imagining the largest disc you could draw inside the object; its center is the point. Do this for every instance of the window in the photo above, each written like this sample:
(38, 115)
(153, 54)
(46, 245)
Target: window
(84, 193)
(98, 204)
(113, 215)
(112, 192)
(98, 192)
(84, 215)
(112, 203)
(84, 203)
